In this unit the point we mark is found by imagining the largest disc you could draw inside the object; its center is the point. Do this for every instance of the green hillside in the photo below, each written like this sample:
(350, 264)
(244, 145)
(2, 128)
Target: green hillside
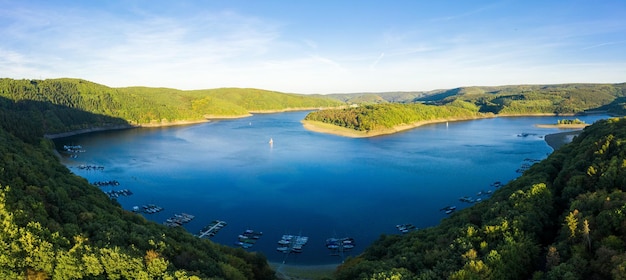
(143, 105)
(563, 219)
(256, 100)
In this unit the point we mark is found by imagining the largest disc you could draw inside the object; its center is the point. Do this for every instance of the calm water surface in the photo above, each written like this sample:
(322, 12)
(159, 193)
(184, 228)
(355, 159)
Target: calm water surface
(308, 183)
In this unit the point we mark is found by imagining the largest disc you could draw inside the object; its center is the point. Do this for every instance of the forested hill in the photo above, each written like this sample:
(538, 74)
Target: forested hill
(55, 225)
(494, 98)
(564, 218)
(473, 102)
(50, 101)
(534, 99)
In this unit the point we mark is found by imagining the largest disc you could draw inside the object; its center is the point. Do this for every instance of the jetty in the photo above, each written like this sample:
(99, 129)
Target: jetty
(211, 229)
(248, 238)
(178, 220)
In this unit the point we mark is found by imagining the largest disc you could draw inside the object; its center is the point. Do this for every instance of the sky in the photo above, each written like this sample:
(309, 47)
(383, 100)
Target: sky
(315, 46)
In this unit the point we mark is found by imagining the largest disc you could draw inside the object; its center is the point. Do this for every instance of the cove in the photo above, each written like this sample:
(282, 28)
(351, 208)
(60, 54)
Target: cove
(308, 183)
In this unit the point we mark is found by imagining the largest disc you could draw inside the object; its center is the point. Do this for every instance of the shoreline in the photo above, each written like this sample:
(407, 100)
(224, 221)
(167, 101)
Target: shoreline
(293, 272)
(120, 127)
(321, 127)
(556, 140)
(207, 118)
(563, 126)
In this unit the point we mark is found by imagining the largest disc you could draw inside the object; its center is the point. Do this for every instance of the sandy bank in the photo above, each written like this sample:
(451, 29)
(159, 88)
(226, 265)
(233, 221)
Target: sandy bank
(322, 127)
(119, 127)
(295, 109)
(296, 272)
(87, 130)
(564, 126)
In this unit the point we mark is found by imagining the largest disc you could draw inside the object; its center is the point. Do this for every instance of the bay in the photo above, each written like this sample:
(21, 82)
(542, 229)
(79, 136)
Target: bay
(308, 183)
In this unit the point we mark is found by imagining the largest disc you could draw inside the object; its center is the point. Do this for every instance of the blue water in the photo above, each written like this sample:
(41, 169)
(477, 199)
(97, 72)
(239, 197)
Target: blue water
(308, 183)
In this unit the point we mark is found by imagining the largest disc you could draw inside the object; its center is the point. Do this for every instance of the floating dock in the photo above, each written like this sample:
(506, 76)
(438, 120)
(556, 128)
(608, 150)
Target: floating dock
(148, 209)
(106, 183)
(338, 246)
(405, 228)
(248, 238)
(291, 243)
(212, 229)
(178, 220)
(117, 193)
(90, 167)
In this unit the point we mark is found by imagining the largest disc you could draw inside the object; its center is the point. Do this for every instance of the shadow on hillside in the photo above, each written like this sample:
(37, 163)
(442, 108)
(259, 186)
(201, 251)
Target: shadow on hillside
(30, 120)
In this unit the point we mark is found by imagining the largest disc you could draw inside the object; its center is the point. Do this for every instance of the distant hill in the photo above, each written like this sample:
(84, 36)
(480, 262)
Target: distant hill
(510, 99)
(528, 99)
(375, 118)
(378, 97)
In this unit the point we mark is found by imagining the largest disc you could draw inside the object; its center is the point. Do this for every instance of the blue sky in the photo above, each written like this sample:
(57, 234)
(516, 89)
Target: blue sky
(315, 46)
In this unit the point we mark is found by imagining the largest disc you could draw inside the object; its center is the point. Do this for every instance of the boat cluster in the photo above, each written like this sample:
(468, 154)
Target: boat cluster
(148, 209)
(448, 209)
(406, 228)
(528, 162)
(73, 150)
(211, 229)
(526, 134)
(178, 220)
(106, 183)
(118, 193)
(339, 245)
(291, 243)
(469, 199)
(90, 167)
(248, 238)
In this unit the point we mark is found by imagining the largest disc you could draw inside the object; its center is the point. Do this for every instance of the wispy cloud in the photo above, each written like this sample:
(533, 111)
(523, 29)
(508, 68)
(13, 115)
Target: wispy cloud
(213, 45)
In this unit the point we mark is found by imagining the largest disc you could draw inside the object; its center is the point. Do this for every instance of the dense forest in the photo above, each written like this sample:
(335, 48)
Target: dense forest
(564, 218)
(49, 100)
(472, 102)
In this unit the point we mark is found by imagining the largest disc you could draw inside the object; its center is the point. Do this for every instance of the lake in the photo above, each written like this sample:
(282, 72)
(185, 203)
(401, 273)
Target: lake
(308, 183)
